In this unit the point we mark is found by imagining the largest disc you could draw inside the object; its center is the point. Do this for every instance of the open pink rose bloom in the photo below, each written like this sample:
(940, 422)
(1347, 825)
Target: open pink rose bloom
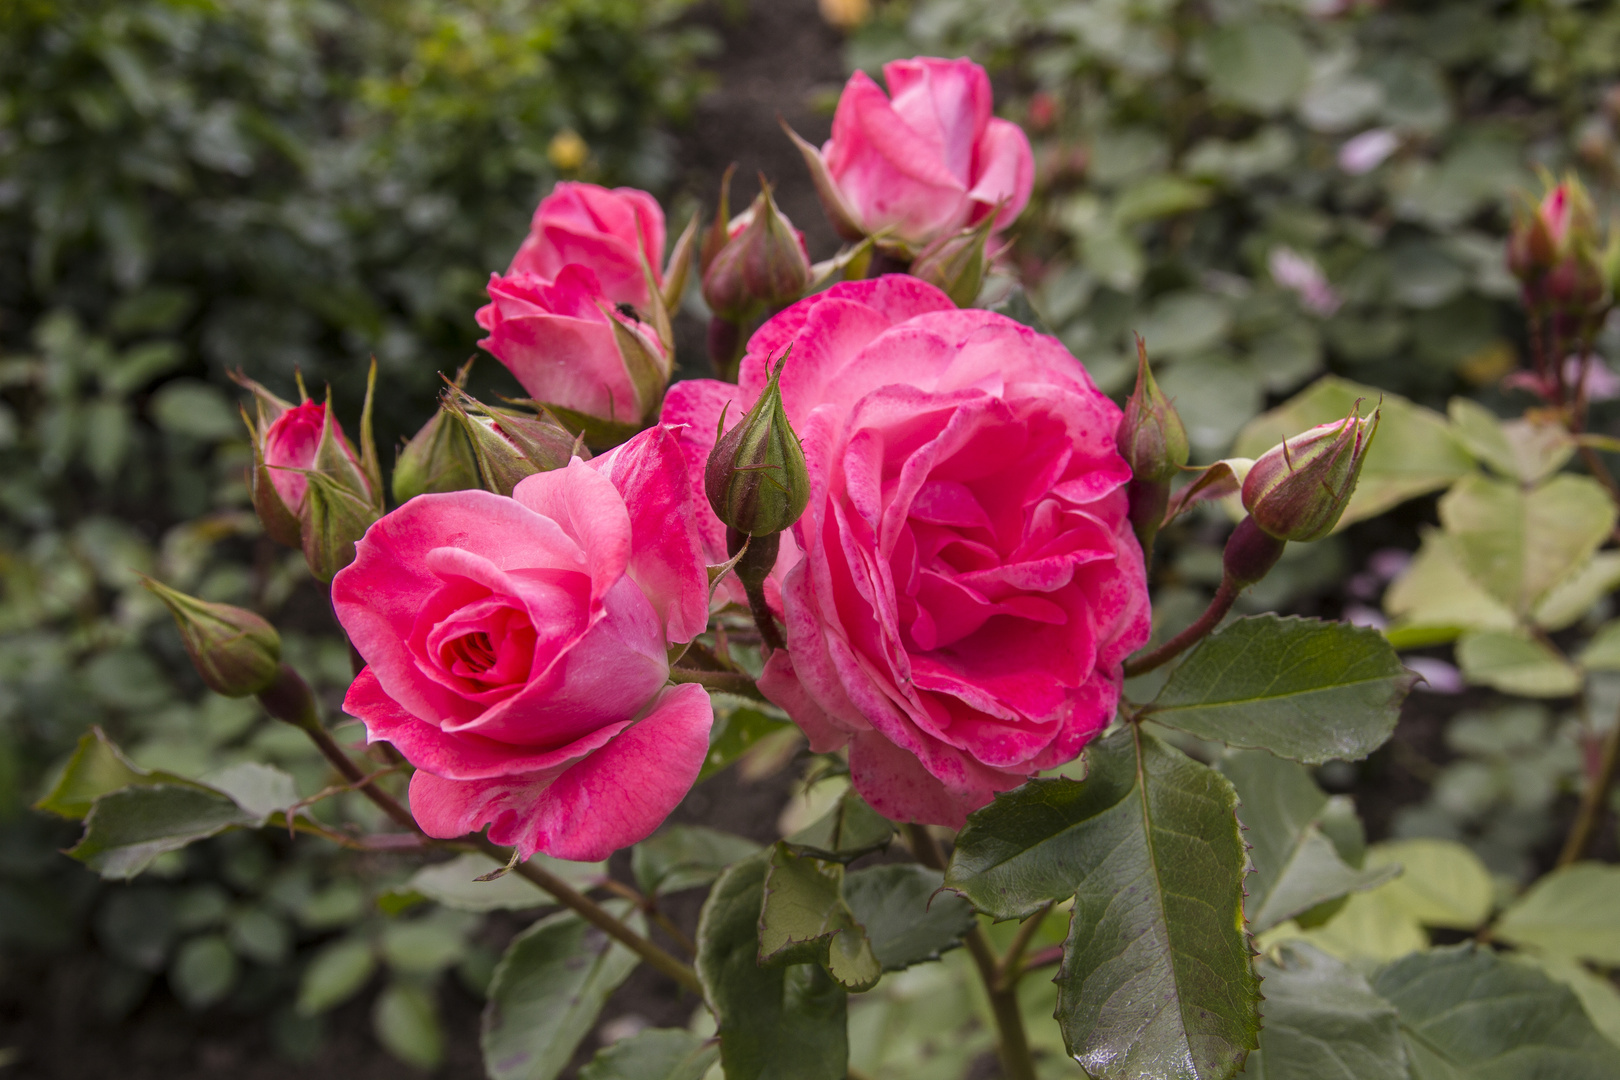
(965, 584)
(516, 651)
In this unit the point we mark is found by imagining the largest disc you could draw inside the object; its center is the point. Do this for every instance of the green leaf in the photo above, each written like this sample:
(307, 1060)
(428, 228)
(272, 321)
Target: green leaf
(1296, 866)
(776, 1023)
(805, 920)
(1518, 544)
(1521, 449)
(845, 833)
(1323, 1022)
(455, 883)
(203, 971)
(659, 1054)
(128, 829)
(97, 767)
(1415, 452)
(1598, 994)
(428, 944)
(904, 918)
(547, 992)
(1573, 911)
(1602, 653)
(735, 732)
(406, 1021)
(1468, 1014)
(1442, 883)
(335, 974)
(685, 857)
(1370, 926)
(1155, 977)
(1262, 66)
(262, 790)
(1515, 663)
(1435, 599)
(1302, 688)
(1574, 596)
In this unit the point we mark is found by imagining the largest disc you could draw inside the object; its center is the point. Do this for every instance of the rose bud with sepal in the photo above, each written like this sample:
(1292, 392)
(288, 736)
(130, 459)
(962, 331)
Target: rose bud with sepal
(1557, 251)
(236, 652)
(763, 263)
(956, 264)
(1153, 441)
(507, 445)
(1299, 489)
(756, 478)
(438, 458)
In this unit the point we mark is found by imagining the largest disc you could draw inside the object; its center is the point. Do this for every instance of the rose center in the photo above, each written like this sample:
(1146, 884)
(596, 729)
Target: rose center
(474, 652)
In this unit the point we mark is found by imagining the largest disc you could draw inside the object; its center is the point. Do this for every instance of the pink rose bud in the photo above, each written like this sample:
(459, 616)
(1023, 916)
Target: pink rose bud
(610, 232)
(1557, 251)
(235, 651)
(755, 478)
(924, 163)
(572, 349)
(956, 264)
(1298, 489)
(762, 265)
(508, 445)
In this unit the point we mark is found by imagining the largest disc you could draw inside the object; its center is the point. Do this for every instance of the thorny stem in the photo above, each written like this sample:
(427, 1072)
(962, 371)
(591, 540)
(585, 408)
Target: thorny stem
(1593, 800)
(1011, 1041)
(1225, 597)
(727, 682)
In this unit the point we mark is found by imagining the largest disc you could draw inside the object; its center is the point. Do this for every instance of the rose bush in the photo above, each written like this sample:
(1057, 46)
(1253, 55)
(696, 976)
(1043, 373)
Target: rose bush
(968, 585)
(926, 161)
(516, 651)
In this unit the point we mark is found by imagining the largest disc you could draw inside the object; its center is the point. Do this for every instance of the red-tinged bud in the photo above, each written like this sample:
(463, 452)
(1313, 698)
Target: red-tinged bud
(1043, 110)
(235, 651)
(762, 265)
(508, 445)
(1299, 489)
(1250, 554)
(956, 264)
(1557, 251)
(1151, 437)
(756, 478)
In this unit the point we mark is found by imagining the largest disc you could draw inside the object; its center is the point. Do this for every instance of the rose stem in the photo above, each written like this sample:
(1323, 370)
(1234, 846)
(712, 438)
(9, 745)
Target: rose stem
(1052, 954)
(1011, 1041)
(592, 913)
(727, 682)
(1225, 596)
(1008, 970)
(1593, 800)
(650, 907)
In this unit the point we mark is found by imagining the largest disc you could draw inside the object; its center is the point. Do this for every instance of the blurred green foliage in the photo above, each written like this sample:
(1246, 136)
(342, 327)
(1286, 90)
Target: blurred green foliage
(188, 187)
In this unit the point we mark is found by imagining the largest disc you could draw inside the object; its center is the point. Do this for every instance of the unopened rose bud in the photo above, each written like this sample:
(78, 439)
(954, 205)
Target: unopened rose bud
(438, 458)
(756, 478)
(235, 651)
(334, 519)
(1151, 437)
(762, 265)
(507, 445)
(956, 264)
(1557, 252)
(1299, 489)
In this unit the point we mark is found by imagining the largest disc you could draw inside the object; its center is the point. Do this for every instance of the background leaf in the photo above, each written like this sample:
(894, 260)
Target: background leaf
(1323, 1022)
(906, 915)
(406, 1020)
(455, 883)
(128, 829)
(776, 1023)
(547, 991)
(1573, 911)
(845, 833)
(685, 857)
(659, 1054)
(1301, 688)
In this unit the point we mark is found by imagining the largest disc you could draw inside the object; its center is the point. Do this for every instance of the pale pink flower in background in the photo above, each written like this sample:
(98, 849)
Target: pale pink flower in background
(1363, 153)
(1300, 275)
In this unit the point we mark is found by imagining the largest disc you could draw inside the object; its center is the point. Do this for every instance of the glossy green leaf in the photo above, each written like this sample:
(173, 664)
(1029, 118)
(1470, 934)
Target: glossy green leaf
(128, 829)
(336, 973)
(1516, 663)
(1323, 1022)
(1155, 978)
(658, 1054)
(906, 915)
(805, 920)
(1296, 866)
(406, 1021)
(1573, 911)
(455, 883)
(1415, 451)
(685, 857)
(776, 1023)
(1302, 688)
(845, 833)
(1468, 1014)
(547, 992)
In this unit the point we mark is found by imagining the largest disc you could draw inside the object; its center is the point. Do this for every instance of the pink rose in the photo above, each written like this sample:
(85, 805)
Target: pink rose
(969, 584)
(605, 230)
(516, 651)
(930, 160)
(560, 340)
(290, 443)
